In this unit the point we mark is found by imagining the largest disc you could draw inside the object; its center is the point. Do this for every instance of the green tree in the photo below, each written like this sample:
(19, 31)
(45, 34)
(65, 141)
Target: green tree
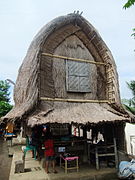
(128, 4)
(130, 104)
(131, 86)
(5, 105)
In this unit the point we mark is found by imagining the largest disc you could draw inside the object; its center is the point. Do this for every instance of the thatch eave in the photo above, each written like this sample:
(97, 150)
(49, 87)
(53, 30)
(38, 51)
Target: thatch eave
(82, 113)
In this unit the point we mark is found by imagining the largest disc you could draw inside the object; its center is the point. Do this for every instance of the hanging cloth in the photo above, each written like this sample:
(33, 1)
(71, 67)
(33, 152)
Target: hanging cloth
(100, 137)
(81, 132)
(75, 130)
(89, 134)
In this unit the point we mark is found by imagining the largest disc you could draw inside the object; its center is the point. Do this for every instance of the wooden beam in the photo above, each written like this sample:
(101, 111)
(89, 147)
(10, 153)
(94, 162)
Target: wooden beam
(74, 100)
(73, 59)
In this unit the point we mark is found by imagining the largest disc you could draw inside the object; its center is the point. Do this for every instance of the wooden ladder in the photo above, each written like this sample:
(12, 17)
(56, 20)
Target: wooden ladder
(110, 88)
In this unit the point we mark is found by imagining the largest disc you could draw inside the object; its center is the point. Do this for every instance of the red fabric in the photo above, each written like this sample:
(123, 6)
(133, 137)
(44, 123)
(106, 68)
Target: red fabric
(49, 147)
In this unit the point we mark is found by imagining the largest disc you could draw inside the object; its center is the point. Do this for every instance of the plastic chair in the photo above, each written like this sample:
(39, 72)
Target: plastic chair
(29, 148)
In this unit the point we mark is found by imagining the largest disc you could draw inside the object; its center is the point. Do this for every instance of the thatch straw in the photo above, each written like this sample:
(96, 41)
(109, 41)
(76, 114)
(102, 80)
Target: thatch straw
(42, 76)
(81, 113)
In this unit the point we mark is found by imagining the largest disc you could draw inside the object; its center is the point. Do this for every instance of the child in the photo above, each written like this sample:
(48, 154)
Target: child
(49, 152)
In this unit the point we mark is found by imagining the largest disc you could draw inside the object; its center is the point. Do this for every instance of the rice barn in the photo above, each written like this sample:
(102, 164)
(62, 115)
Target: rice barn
(69, 82)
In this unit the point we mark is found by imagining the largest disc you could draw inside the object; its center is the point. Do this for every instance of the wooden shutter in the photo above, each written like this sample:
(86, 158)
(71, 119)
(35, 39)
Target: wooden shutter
(77, 76)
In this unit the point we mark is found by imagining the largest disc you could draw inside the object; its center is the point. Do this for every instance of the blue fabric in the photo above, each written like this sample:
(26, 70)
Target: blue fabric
(126, 168)
(132, 166)
(9, 134)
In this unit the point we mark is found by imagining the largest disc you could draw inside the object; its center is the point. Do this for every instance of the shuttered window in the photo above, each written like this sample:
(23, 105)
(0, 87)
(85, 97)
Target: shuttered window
(77, 76)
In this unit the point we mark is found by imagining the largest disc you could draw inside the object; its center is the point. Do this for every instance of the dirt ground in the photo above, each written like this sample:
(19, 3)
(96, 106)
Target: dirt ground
(5, 161)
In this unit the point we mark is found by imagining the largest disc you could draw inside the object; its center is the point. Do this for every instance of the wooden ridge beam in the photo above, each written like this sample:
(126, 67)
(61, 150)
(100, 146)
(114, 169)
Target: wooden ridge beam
(73, 59)
(74, 100)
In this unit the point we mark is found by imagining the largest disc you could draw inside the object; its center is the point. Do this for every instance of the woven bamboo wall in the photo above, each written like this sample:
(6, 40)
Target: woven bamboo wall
(69, 41)
(73, 47)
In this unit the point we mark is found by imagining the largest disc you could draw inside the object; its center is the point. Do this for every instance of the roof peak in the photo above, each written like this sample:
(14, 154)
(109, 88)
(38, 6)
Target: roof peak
(76, 13)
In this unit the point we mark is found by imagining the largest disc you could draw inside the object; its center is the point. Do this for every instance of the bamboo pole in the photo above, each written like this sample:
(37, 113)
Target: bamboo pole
(110, 70)
(111, 91)
(73, 59)
(109, 82)
(74, 100)
(111, 77)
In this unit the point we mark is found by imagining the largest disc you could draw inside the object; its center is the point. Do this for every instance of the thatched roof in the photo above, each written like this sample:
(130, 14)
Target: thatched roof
(36, 73)
(81, 113)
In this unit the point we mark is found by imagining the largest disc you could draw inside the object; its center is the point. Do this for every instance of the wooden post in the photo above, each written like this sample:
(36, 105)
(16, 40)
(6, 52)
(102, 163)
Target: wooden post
(60, 160)
(89, 153)
(77, 164)
(65, 166)
(97, 159)
(116, 155)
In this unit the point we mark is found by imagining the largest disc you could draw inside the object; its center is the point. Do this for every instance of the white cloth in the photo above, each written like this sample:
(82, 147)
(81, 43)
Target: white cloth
(75, 130)
(100, 137)
(89, 134)
(81, 132)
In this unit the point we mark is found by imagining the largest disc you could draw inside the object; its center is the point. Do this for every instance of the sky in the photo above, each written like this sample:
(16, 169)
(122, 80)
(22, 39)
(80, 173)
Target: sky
(20, 21)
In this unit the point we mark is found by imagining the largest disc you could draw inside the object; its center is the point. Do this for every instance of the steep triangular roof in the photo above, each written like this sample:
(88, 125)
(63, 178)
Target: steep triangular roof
(27, 88)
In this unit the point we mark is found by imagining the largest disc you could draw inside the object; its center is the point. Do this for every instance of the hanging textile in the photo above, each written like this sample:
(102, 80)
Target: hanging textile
(89, 134)
(100, 137)
(9, 127)
(75, 130)
(94, 140)
(81, 132)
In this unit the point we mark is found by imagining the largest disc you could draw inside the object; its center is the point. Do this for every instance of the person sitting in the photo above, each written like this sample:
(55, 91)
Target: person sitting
(49, 152)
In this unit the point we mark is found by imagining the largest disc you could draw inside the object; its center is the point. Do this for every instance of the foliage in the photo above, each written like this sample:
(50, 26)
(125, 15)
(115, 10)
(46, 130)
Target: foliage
(131, 86)
(4, 94)
(5, 107)
(128, 4)
(126, 102)
(131, 109)
(133, 33)
(129, 104)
